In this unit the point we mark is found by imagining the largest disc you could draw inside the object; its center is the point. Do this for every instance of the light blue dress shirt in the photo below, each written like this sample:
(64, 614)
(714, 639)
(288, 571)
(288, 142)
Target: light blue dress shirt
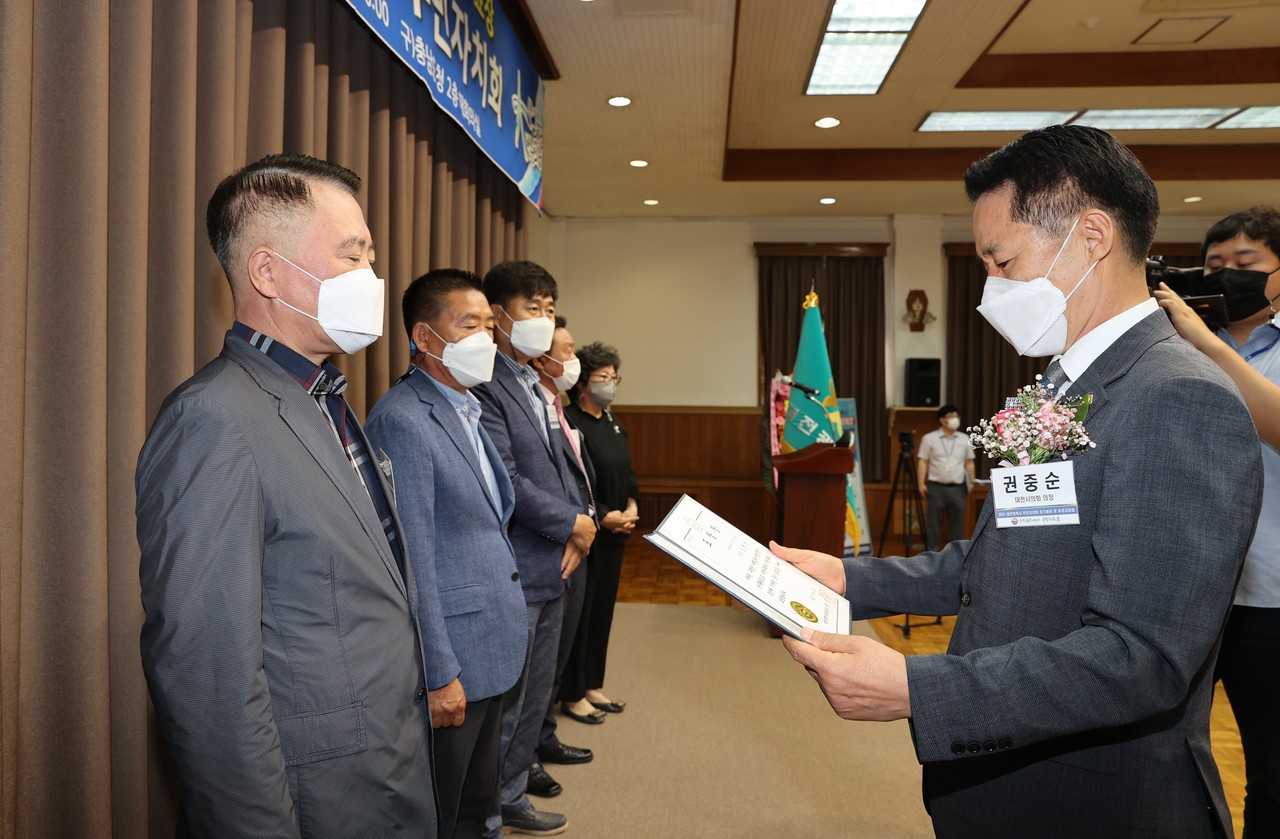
(1260, 581)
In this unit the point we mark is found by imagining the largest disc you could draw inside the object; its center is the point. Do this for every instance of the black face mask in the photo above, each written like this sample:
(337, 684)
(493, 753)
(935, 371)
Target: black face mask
(1245, 291)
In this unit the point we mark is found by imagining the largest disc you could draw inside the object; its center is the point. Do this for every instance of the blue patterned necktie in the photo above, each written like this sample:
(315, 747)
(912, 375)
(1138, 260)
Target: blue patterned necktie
(1056, 376)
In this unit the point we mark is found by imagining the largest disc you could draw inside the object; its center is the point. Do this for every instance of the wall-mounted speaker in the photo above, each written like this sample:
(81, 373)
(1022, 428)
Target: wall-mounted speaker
(924, 382)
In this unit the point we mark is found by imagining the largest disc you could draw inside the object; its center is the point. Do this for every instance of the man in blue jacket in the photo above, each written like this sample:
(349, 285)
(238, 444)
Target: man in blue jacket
(455, 501)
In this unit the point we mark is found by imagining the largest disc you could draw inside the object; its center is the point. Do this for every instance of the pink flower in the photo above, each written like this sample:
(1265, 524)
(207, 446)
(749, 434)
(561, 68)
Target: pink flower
(1003, 417)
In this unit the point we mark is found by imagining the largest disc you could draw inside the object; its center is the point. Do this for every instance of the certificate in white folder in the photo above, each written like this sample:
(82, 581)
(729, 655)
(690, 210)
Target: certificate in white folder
(747, 570)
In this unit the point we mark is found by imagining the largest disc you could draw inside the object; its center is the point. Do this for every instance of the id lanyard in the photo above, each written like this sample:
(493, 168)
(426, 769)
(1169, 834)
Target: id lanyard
(1251, 356)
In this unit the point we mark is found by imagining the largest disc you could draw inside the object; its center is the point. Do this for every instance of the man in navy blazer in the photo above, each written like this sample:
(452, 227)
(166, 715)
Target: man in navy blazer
(455, 499)
(551, 529)
(1074, 698)
(575, 455)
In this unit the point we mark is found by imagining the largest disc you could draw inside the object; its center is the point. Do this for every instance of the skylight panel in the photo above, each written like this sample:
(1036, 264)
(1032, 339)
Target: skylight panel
(993, 120)
(1153, 118)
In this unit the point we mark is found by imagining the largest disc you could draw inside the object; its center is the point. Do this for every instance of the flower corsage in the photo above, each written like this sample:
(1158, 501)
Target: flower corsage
(1034, 427)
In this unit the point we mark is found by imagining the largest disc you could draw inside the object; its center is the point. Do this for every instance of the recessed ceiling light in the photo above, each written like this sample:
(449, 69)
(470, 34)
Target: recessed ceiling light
(827, 122)
(1153, 118)
(651, 202)
(826, 200)
(619, 101)
(1192, 199)
(639, 164)
(993, 120)
(1261, 117)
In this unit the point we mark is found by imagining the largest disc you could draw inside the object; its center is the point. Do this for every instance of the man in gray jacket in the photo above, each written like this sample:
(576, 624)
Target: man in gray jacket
(1074, 698)
(280, 644)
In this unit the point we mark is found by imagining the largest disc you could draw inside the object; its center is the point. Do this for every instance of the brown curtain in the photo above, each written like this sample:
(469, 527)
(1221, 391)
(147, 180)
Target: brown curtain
(117, 118)
(851, 296)
(982, 369)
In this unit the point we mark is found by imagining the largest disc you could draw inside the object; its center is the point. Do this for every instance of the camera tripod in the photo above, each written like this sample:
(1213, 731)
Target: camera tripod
(912, 513)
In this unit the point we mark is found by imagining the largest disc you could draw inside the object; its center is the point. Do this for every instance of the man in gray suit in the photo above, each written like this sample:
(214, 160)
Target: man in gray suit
(1074, 699)
(455, 499)
(280, 643)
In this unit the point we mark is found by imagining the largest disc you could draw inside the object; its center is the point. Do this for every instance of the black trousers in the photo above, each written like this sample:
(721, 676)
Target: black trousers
(585, 670)
(1249, 667)
(467, 769)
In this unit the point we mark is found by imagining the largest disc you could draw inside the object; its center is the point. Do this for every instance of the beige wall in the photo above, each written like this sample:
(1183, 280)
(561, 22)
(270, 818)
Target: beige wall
(678, 297)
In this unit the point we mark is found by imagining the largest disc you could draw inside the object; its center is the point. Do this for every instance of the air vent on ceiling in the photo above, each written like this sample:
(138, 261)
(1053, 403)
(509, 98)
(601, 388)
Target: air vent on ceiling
(1187, 6)
(1173, 31)
(628, 8)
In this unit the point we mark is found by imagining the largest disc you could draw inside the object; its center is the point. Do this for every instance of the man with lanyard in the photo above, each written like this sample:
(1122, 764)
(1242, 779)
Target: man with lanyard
(944, 470)
(1241, 257)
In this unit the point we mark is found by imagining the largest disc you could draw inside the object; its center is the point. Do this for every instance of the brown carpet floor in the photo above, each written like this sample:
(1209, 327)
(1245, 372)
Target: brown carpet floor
(725, 736)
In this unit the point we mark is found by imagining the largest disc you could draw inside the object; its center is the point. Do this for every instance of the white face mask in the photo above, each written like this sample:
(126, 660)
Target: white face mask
(469, 361)
(1030, 315)
(531, 336)
(953, 423)
(350, 307)
(570, 371)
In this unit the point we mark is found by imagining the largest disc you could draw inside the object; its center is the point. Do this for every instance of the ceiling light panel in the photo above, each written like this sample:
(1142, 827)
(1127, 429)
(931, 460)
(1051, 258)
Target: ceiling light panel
(854, 62)
(993, 120)
(1153, 118)
(874, 15)
(1261, 117)
(861, 42)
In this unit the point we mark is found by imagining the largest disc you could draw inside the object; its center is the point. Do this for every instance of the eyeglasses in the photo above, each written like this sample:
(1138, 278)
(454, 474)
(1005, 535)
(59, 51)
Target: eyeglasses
(617, 380)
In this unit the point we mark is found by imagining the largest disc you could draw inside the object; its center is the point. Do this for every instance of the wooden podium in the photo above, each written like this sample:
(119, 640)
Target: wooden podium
(811, 486)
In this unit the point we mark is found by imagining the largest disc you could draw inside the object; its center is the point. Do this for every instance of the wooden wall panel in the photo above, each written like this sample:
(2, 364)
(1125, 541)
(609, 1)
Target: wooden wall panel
(713, 454)
(720, 443)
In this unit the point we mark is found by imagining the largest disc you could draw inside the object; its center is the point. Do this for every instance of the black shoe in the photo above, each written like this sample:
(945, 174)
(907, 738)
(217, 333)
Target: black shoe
(542, 784)
(560, 753)
(595, 717)
(612, 706)
(532, 822)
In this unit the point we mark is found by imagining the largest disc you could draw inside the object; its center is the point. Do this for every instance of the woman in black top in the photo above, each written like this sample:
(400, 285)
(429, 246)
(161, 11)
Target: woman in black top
(615, 494)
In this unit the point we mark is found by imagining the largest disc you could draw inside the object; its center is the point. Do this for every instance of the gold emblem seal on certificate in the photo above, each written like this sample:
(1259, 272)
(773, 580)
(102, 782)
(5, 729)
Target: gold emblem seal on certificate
(804, 611)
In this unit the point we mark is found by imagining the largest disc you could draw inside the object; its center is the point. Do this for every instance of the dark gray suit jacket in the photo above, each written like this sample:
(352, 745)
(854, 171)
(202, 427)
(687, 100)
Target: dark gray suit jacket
(472, 607)
(280, 644)
(1074, 699)
(547, 501)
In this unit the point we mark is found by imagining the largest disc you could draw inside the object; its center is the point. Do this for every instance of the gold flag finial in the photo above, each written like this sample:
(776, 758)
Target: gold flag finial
(810, 300)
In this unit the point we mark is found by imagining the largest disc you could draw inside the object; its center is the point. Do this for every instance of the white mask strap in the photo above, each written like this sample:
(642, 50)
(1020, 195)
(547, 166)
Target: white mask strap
(282, 302)
(1062, 247)
(299, 267)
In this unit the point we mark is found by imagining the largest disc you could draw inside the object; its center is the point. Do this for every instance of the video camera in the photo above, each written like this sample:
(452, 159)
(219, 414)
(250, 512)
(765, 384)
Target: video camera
(1187, 283)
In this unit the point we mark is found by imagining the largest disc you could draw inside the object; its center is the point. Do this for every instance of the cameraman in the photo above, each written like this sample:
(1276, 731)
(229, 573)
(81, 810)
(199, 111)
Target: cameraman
(1241, 257)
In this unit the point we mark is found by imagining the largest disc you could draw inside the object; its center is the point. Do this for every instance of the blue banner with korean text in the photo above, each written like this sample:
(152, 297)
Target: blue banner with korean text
(472, 62)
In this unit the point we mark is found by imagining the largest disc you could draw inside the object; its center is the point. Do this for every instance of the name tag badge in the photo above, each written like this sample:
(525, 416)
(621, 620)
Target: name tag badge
(553, 419)
(1035, 496)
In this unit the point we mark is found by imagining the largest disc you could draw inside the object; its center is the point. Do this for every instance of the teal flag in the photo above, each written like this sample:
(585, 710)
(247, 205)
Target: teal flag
(812, 419)
(816, 419)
